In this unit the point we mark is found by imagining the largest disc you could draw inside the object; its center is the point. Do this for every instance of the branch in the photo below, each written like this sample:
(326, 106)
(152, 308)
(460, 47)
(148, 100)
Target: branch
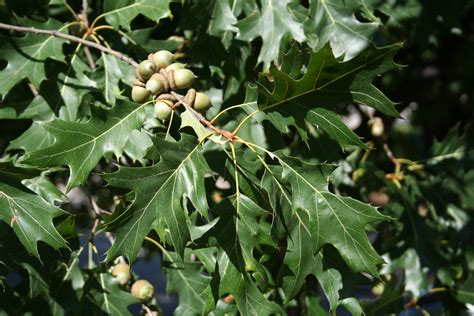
(72, 38)
(85, 9)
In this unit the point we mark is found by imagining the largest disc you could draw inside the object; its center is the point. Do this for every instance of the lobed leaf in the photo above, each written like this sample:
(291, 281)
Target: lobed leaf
(80, 146)
(326, 84)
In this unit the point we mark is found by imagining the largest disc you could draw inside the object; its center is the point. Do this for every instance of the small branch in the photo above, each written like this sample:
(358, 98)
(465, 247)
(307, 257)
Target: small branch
(90, 59)
(70, 38)
(85, 8)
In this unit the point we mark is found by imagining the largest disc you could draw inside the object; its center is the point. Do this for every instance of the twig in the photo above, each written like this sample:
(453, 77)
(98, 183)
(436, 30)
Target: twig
(85, 8)
(70, 38)
(89, 58)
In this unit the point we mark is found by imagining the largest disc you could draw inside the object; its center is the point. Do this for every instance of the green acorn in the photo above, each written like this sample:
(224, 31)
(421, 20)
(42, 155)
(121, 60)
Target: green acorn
(202, 102)
(145, 69)
(121, 273)
(163, 109)
(140, 94)
(162, 59)
(142, 290)
(184, 78)
(154, 85)
(176, 66)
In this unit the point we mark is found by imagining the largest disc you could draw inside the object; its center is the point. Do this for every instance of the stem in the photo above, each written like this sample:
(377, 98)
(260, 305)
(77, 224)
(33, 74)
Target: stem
(392, 158)
(236, 176)
(200, 117)
(243, 122)
(108, 27)
(163, 250)
(70, 38)
(68, 7)
(229, 108)
(169, 125)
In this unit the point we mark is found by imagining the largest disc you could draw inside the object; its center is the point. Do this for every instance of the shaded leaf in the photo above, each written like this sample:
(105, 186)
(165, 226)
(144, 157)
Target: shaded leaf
(26, 55)
(30, 217)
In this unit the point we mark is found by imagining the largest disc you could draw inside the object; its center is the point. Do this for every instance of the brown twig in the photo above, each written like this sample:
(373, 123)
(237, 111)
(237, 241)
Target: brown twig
(70, 38)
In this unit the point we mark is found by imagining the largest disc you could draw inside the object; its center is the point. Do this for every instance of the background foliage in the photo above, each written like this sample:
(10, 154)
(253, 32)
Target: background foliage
(309, 211)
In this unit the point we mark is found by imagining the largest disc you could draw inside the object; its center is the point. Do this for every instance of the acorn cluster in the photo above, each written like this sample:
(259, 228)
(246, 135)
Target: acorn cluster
(158, 76)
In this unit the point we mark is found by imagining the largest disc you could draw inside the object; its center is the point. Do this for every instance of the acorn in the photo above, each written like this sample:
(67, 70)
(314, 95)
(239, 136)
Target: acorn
(162, 59)
(145, 69)
(202, 102)
(121, 273)
(163, 109)
(184, 78)
(154, 85)
(139, 94)
(377, 127)
(176, 66)
(142, 290)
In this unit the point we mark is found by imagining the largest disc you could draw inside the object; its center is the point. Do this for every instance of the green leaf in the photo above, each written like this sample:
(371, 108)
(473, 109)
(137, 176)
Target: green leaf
(80, 146)
(453, 146)
(249, 299)
(34, 138)
(104, 292)
(327, 83)
(302, 260)
(45, 188)
(26, 55)
(111, 79)
(320, 217)
(241, 227)
(30, 217)
(192, 286)
(223, 20)
(160, 194)
(13, 175)
(72, 86)
(122, 12)
(142, 38)
(333, 22)
(332, 124)
(415, 276)
(272, 23)
(138, 144)
(36, 108)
